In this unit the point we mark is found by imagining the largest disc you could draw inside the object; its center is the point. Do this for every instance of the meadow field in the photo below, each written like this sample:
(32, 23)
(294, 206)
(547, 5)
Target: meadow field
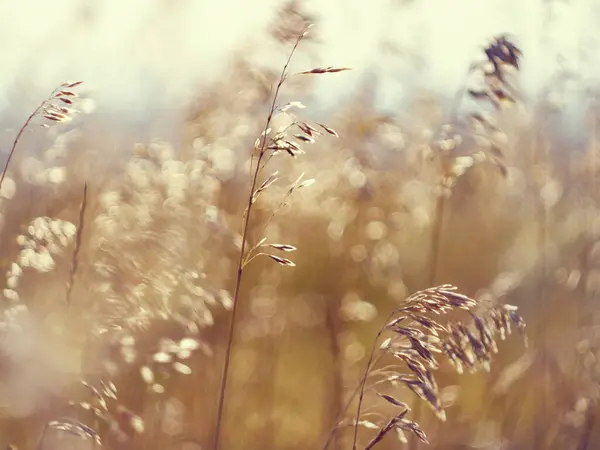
(263, 267)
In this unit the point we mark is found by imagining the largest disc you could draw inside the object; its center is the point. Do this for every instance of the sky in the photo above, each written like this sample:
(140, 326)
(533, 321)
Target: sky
(148, 57)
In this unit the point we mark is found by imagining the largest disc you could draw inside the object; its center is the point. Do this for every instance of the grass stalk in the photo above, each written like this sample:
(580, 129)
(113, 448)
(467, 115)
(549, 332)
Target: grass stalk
(240, 266)
(78, 241)
(17, 139)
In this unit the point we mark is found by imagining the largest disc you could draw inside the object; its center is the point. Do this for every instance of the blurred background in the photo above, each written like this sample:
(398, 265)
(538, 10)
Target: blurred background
(120, 229)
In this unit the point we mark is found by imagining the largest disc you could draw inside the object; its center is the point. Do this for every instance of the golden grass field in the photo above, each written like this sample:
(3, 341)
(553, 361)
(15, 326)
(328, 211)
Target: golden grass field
(120, 265)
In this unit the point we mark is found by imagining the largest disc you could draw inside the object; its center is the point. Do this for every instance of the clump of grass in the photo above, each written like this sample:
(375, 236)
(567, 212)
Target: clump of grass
(45, 240)
(416, 340)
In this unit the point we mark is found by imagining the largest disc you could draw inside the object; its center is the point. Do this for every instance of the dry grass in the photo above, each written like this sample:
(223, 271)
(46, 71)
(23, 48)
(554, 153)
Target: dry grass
(269, 145)
(120, 277)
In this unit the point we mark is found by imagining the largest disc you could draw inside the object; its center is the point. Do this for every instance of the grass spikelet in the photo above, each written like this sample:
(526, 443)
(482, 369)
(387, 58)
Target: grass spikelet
(417, 340)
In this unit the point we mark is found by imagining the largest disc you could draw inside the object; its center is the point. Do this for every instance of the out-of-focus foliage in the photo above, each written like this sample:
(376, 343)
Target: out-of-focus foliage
(159, 238)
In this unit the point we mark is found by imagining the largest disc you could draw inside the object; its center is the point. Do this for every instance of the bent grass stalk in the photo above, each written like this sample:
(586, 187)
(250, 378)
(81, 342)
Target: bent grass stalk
(363, 381)
(17, 139)
(416, 338)
(50, 111)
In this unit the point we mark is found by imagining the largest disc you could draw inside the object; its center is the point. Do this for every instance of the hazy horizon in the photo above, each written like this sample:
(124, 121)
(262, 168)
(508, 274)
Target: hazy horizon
(142, 62)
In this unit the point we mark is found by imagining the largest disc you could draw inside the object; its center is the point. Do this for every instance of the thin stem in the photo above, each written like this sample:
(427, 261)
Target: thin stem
(40, 443)
(245, 227)
(333, 430)
(434, 262)
(363, 382)
(438, 226)
(331, 327)
(78, 240)
(436, 237)
(440, 206)
(276, 210)
(246, 262)
(441, 200)
(331, 433)
(18, 138)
